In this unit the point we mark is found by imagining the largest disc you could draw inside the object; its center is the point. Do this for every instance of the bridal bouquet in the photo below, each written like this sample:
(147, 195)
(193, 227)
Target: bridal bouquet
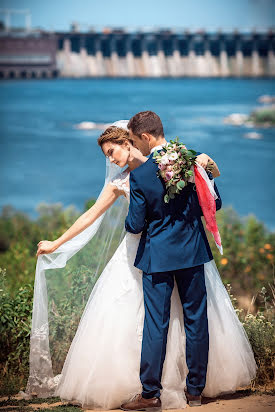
(176, 167)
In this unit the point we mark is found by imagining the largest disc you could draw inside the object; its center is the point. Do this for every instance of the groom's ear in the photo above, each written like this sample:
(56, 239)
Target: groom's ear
(146, 136)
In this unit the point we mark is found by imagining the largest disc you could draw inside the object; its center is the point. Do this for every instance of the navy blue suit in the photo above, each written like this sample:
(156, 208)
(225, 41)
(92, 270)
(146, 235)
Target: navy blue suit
(173, 245)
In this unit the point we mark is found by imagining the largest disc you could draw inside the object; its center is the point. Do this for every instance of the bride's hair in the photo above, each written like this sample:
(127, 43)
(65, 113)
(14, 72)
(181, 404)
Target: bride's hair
(115, 135)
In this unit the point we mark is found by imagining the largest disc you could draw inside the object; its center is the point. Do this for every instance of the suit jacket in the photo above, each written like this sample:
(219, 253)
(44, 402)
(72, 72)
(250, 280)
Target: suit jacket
(173, 235)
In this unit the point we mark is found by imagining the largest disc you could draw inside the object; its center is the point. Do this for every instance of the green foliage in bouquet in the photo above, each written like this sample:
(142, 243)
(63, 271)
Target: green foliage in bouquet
(175, 163)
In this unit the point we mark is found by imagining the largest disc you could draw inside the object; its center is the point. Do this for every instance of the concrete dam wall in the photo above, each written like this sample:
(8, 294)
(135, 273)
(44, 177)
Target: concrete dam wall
(121, 54)
(166, 55)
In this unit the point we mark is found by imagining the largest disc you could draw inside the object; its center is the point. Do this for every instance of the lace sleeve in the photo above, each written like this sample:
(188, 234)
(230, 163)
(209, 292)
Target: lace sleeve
(121, 182)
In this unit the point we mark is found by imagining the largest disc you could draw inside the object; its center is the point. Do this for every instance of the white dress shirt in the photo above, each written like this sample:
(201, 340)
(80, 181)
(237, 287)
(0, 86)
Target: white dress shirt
(160, 146)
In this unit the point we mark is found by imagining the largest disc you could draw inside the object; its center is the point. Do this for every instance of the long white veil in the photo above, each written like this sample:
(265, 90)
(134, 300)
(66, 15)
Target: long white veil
(64, 281)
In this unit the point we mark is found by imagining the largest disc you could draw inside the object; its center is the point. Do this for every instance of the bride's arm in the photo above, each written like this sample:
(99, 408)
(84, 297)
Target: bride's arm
(108, 197)
(203, 160)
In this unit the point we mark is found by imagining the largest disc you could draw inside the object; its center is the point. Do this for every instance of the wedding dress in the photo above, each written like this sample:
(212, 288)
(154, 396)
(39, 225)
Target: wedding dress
(101, 369)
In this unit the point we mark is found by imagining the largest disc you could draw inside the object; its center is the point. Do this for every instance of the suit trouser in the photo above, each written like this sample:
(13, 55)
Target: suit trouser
(157, 288)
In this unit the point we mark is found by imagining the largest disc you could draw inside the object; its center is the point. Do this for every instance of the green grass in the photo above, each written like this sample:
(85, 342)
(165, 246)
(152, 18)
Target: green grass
(25, 402)
(23, 405)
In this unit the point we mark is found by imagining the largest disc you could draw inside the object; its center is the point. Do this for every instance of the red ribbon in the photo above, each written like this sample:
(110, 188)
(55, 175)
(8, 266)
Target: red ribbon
(208, 205)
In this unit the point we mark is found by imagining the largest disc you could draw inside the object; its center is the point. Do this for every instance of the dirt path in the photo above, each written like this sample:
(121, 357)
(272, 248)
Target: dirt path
(241, 401)
(252, 403)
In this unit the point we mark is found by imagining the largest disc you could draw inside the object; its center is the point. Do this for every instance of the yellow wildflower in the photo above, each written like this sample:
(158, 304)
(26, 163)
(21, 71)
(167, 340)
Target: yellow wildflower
(268, 246)
(224, 261)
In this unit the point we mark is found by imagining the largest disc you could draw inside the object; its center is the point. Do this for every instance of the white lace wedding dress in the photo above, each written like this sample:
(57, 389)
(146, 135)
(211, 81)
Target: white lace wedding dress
(101, 369)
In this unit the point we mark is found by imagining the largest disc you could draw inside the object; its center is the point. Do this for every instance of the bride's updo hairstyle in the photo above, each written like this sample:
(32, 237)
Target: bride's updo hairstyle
(114, 134)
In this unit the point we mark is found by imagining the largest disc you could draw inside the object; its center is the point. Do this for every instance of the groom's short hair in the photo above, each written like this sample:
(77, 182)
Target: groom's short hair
(146, 122)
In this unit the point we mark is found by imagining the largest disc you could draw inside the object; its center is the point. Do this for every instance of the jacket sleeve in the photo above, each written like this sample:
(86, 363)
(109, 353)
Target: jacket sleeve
(136, 219)
(219, 200)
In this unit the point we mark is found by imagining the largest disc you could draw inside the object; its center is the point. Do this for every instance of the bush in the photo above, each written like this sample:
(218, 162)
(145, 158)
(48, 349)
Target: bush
(263, 115)
(248, 252)
(260, 329)
(19, 236)
(15, 326)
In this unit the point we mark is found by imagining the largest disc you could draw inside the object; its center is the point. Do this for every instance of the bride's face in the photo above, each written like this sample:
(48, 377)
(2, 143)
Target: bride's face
(117, 153)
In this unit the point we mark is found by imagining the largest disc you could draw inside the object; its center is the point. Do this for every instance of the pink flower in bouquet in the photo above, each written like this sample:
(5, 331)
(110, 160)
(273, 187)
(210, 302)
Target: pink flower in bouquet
(169, 175)
(161, 166)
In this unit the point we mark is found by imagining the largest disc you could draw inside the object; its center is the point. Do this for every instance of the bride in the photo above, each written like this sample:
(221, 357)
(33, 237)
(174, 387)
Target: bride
(92, 356)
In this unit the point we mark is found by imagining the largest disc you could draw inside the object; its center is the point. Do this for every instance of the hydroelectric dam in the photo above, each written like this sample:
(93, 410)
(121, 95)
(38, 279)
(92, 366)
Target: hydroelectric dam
(156, 53)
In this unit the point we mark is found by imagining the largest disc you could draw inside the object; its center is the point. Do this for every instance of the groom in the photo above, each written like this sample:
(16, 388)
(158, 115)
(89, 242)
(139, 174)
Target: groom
(173, 246)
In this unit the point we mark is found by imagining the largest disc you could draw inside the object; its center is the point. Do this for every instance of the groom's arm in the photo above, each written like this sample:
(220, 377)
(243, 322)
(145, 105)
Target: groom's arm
(135, 221)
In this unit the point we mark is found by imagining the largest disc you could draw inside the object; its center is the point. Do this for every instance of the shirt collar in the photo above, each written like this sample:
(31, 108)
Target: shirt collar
(160, 146)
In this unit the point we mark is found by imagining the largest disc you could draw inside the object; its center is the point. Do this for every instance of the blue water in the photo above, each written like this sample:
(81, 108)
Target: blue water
(44, 159)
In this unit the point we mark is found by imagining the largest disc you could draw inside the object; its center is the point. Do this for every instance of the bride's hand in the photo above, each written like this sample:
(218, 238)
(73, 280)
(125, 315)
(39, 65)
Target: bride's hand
(45, 246)
(202, 160)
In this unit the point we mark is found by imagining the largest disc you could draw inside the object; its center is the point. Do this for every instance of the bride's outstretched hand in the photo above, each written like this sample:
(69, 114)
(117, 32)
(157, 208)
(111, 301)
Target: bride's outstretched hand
(45, 246)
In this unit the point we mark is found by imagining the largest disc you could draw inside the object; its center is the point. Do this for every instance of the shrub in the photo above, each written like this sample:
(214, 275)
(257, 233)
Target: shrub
(15, 326)
(248, 252)
(260, 329)
(263, 115)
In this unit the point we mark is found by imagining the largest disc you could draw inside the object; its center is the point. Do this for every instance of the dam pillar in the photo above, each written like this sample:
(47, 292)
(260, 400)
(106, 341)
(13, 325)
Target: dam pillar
(239, 58)
(100, 66)
(224, 69)
(130, 60)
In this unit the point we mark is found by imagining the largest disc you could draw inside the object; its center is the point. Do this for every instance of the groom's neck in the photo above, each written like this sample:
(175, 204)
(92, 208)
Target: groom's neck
(158, 141)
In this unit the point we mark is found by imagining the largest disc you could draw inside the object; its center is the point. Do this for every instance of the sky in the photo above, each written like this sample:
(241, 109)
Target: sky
(58, 15)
